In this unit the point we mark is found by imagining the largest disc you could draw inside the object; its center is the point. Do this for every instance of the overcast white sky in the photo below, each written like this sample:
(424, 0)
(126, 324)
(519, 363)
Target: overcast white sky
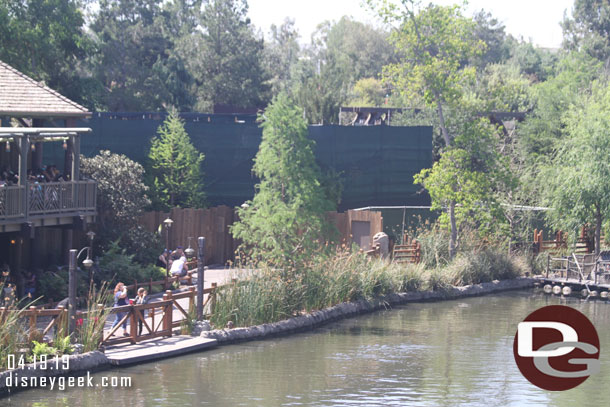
(537, 20)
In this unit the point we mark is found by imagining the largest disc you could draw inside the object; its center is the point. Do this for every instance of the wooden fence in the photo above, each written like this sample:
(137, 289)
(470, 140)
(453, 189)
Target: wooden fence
(157, 318)
(354, 227)
(213, 223)
(560, 241)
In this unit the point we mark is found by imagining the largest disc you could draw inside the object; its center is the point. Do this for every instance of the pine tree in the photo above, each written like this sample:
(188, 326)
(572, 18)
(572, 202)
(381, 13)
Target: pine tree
(175, 167)
(285, 221)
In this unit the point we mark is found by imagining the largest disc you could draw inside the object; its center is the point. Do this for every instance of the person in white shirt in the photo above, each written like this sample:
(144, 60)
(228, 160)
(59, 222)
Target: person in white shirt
(178, 267)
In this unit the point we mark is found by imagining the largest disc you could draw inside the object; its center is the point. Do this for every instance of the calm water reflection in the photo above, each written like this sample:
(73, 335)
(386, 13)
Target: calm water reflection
(432, 354)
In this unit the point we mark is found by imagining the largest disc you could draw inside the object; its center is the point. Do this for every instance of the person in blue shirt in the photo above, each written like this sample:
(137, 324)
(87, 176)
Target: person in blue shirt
(120, 299)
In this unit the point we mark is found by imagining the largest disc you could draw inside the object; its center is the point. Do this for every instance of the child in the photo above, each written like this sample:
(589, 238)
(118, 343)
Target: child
(141, 299)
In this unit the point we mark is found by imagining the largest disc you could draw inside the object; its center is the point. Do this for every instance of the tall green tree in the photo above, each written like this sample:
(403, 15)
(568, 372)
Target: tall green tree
(588, 29)
(285, 221)
(176, 176)
(226, 58)
(137, 61)
(46, 40)
(341, 53)
(577, 180)
(468, 175)
(433, 44)
(282, 52)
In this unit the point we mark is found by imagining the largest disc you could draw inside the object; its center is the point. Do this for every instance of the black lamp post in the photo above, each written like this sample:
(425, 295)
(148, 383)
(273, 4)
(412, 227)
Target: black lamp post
(167, 223)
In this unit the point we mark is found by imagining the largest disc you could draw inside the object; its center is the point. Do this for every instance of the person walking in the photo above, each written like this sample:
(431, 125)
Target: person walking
(120, 299)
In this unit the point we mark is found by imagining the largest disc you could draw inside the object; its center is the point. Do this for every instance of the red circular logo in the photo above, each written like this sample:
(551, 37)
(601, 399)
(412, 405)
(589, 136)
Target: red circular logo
(556, 348)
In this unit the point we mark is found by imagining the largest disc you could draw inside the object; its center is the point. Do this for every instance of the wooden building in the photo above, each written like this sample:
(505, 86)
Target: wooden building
(41, 204)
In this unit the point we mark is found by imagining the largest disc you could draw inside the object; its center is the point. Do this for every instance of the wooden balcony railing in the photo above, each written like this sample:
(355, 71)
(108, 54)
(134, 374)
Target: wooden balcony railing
(12, 204)
(50, 198)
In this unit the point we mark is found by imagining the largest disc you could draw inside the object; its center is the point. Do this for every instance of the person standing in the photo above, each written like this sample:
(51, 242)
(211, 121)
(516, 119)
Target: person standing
(120, 299)
(141, 299)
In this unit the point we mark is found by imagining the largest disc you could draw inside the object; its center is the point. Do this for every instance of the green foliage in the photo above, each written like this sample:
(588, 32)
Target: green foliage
(286, 219)
(467, 174)
(226, 58)
(136, 59)
(281, 54)
(325, 280)
(41, 349)
(62, 345)
(121, 199)
(45, 39)
(578, 188)
(432, 44)
(263, 296)
(54, 284)
(535, 63)
(368, 92)
(482, 266)
(175, 167)
(116, 265)
(90, 331)
(504, 89)
(588, 27)
(341, 53)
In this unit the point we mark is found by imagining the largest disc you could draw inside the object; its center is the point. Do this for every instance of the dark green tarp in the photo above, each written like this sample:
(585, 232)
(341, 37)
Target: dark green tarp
(376, 163)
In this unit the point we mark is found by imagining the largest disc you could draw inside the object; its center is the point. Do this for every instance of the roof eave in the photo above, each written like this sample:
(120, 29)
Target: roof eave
(37, 115)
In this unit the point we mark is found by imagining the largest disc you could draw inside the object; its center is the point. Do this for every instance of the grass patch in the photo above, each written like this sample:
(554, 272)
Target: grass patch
(268, 295)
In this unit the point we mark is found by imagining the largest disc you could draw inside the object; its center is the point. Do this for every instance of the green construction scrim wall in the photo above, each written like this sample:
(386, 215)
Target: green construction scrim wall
(376, 164)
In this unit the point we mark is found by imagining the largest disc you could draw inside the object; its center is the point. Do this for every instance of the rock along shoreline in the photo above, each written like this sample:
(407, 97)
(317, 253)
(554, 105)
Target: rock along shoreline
(348, 309)
(96, 360)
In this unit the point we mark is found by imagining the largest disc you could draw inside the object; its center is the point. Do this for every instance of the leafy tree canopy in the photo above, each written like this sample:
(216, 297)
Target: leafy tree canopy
(121, 200)
(588, 29)
(45, 39)
(577, 189)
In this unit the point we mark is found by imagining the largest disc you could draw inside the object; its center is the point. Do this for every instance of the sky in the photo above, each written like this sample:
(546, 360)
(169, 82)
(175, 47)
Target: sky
(537, 20)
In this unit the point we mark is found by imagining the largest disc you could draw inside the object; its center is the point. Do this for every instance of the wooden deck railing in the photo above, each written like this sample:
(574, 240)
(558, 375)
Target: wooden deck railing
(407, 252)
(157, 318)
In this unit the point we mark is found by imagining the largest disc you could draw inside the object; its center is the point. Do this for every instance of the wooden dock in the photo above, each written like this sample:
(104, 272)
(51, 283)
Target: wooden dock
(157, 349)
(574, 282)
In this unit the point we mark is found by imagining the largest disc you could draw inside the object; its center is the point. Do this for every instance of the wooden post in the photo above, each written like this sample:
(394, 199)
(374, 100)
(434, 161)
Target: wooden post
(72, 291)
(133, 321)
(192, 294)
(169, 310)
(213, 300)
(32, 322)
(60, 321)
(200, 276)
(548, 264)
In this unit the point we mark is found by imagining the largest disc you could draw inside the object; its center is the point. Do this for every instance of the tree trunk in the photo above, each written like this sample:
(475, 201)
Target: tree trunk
(453, 232)
(598, 229)
(441, 119)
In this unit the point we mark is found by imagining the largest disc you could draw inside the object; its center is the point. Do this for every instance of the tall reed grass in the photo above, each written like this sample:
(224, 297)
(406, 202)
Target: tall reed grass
(267, 295)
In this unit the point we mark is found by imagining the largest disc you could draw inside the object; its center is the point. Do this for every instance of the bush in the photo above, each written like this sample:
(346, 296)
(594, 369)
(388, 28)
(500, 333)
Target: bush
(116, 265)
(483, 266)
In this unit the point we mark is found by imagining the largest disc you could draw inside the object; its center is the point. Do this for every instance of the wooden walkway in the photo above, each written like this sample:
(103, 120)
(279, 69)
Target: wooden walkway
(146, 351)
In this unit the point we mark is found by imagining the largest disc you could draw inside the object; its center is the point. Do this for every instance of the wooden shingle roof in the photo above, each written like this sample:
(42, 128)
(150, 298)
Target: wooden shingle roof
(22, 96)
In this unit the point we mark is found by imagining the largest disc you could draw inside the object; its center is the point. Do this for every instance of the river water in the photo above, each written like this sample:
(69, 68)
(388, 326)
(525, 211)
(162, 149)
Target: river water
(421, 354)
